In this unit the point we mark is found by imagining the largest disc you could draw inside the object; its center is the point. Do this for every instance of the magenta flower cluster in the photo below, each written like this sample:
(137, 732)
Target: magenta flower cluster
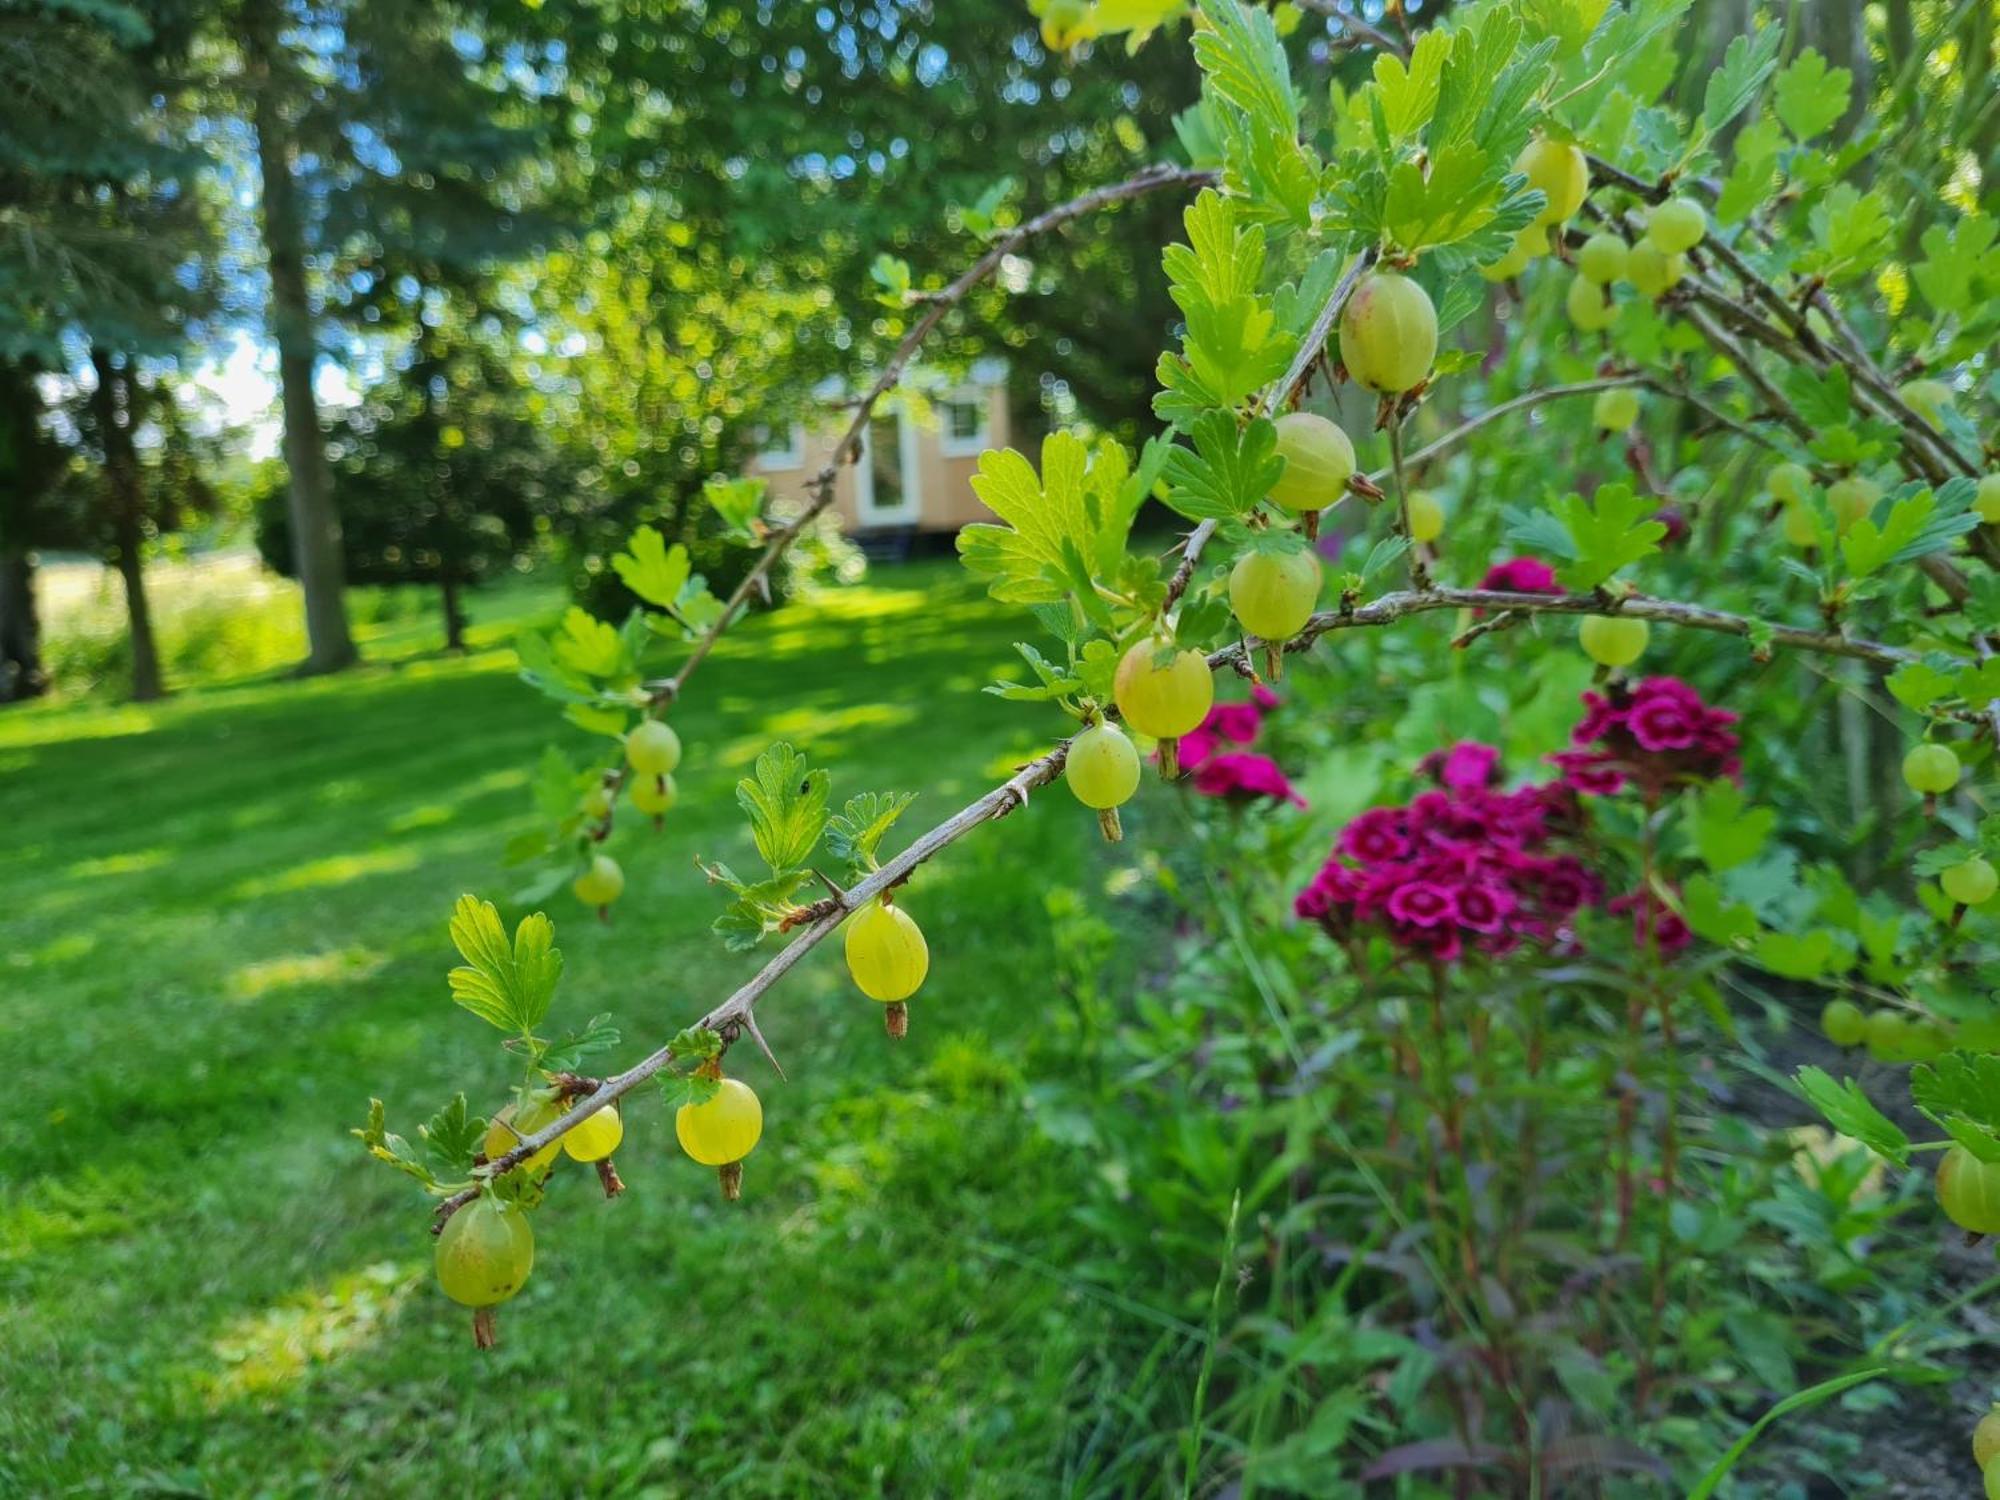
(1654, 734)
(1462, 866)
(1239, 775)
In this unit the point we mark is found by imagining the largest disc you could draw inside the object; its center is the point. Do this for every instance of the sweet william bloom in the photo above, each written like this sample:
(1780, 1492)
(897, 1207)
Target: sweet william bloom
(1375, 837)
(1465, 767)
(1421, 904)
(1648, 912)
(1657, 733)
(1462, 866)
(1241, 776)
(1236, 722)
(1521, 575)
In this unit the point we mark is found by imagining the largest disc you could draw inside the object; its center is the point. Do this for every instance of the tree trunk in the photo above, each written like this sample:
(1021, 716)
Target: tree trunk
(316, 540)
(20, 629)
(454, 619)
(113, 406)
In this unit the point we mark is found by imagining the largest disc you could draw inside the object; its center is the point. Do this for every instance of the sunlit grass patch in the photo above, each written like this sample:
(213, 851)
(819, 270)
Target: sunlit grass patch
(254, 981)
(264, 1353)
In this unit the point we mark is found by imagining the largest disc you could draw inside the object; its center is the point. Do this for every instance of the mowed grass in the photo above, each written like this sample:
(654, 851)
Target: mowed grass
(222, 928)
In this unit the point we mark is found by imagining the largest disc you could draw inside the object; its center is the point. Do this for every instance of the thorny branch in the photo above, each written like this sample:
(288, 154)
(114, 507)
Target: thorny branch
(937, 305)
(734, 1016)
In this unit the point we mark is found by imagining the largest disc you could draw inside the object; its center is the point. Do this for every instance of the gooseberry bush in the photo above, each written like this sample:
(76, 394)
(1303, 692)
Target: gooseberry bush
(1649, 392)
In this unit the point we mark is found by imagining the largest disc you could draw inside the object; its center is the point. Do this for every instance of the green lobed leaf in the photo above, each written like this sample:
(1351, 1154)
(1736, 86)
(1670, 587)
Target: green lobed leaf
(578, 1047)
(1724, 830)
(854, 834)
(651, 570)
(1610, 531)
(786, 804)
(1746, 63)
(1244, 60)
(1809, 96)
(451, 1137)
(1848, 1109)
(1230, 471)
(507, 986)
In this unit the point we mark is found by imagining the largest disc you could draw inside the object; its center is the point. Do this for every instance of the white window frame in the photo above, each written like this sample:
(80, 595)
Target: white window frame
(866, 511)
(975, 396)
(784, 459)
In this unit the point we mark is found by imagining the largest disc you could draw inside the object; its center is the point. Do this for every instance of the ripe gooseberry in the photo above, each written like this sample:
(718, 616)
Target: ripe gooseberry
(652, 748)
(1968, 1191)
(1528, 244)
(1388, 333)
(516, 1122)
(1798, 525)
(1612, 640)
(1602, 258)
(1970, 882)
(1426, 517)
(1843, 1023)
(596, 804)
(1163, 693)
(1931, 769)
(1992, 1481)
(1272, 594)
(1986, 1439)
(1652, 270)
(601, 882)
(1887, 1035)
(1102, 772)
(887, 957)
(595, 1136)
(1850, 499)
(484, 1254)
(1986, 500)
(653, 795)
(722, 1130)
(1560, 171)
(1615, 410)
(1676, 225)
(1927, 398)
(1319, 460)
(1788, 482)
(1924, 1040)
(1590, 308)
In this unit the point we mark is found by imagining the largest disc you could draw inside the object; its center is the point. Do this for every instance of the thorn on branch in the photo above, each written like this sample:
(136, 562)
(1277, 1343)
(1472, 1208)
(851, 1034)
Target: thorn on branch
(750, 1025)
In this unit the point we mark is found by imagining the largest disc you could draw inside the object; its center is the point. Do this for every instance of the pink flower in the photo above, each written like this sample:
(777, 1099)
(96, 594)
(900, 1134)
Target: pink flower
(1657, 732)
(1235, 721)
(1465, 767)
(1521, 575)
(1590, 772)
(1375, 837)
(1238, 774)
(1460, 866)
(1664, 725)
(1481, 907)
(1263, 697)
(1669, 932)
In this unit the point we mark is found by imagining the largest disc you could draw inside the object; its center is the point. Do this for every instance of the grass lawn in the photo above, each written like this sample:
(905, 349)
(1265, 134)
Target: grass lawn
(222, 928)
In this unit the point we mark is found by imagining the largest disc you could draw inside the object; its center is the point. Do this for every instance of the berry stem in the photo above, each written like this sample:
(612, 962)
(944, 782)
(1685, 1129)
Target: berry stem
(1108, 824)
(896, 1018)
(484, 1332)
(730, 1174)
(1170, 759)
(607, 1175)
(1420, 576)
